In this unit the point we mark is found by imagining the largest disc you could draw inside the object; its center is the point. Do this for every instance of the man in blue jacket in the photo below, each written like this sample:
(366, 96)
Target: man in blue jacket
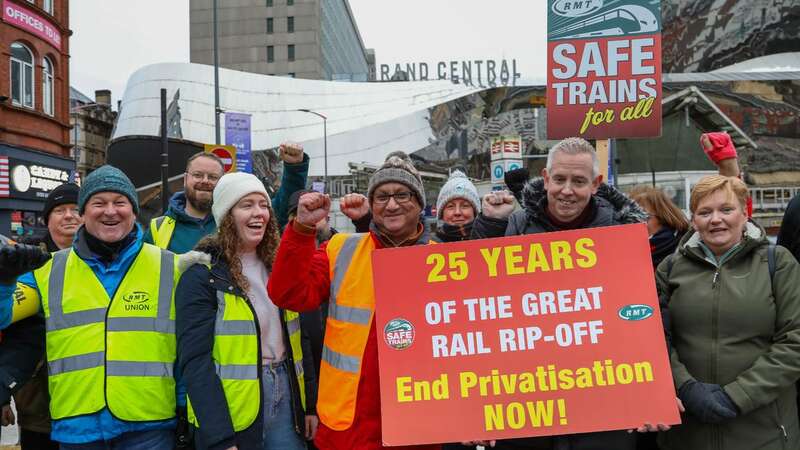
(110, 330)
(189, 218)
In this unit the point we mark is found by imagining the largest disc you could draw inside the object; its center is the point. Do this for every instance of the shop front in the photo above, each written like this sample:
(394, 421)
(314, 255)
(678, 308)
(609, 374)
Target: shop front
(26, 179)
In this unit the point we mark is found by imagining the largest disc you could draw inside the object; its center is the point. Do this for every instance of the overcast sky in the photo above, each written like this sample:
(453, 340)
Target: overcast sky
(113, 38)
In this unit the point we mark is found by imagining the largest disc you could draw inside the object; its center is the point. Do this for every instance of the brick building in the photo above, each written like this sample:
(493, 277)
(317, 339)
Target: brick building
(34, 107)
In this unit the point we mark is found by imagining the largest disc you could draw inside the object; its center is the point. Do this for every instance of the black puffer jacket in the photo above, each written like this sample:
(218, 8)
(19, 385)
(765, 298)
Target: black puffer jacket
(612, 208)
(196, 310)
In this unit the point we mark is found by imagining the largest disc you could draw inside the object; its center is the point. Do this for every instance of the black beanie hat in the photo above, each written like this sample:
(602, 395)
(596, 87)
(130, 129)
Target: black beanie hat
(63, 194)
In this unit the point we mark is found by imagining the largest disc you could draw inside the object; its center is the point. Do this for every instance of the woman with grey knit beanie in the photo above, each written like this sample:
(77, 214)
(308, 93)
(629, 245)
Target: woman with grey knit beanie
(458, 205)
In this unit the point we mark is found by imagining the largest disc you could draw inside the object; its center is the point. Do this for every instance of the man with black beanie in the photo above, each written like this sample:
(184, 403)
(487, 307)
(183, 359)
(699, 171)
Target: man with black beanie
(61, 217)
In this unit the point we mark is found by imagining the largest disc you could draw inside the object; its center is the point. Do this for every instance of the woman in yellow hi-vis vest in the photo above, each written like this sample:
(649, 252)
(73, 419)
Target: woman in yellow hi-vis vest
(241, 355)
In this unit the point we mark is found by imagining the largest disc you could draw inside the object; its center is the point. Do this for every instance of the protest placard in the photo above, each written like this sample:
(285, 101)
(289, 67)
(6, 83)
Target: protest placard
(543, 334)
(603, 69)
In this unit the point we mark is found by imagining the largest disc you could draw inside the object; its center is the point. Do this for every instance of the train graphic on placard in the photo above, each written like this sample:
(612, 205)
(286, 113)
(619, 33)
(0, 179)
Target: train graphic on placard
(622, 20)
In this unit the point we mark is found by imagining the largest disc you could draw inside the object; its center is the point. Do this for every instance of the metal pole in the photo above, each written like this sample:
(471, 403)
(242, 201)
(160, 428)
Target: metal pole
(325, 147)
(75, 150)
(164, 154)
(216, 79)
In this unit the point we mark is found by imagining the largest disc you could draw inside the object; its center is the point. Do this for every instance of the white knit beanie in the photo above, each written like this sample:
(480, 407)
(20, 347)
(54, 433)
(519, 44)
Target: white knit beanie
(230, 189)
(458, 186)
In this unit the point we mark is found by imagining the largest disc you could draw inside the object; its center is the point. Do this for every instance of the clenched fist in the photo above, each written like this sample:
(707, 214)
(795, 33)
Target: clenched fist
(312, 208)
(354, 206)
(497, 204)
(291, 152)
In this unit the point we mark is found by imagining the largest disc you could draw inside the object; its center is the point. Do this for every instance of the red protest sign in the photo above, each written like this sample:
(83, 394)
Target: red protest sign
(604, 69)
(521, 336)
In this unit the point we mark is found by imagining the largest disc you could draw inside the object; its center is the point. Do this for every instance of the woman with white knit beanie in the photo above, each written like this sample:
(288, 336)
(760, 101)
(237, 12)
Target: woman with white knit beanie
(240, 354)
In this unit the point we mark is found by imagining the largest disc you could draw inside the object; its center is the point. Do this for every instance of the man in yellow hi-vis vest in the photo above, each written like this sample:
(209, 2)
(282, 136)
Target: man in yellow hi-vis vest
(110, 325)
(348, 401)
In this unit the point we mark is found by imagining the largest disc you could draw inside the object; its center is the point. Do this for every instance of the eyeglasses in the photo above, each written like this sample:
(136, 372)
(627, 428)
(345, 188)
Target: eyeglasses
(199, 176)
(399, 197)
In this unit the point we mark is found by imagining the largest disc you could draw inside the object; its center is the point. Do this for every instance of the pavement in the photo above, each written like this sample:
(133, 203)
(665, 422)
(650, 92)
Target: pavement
(9, 435)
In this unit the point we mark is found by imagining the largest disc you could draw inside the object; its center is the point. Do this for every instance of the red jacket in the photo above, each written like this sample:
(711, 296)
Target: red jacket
(300, 281)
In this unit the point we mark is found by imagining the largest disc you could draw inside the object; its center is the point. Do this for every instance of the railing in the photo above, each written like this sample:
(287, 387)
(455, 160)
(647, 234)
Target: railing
(772, 199)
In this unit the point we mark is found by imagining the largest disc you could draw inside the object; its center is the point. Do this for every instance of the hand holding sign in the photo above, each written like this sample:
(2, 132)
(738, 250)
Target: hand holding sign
(312, 208)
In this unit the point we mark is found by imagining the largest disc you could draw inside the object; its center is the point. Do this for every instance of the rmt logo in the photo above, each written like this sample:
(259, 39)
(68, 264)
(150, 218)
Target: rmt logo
(136, 301)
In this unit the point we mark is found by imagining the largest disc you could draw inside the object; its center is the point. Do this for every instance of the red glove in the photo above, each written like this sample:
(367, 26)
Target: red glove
(718, 147)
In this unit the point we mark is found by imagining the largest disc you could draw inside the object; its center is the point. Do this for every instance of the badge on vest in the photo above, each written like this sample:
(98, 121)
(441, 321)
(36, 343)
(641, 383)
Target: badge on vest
(137, 301)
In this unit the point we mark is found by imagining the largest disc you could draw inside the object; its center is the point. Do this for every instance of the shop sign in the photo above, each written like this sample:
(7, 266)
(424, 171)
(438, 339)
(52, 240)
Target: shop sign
(31, 22)
(34, 181)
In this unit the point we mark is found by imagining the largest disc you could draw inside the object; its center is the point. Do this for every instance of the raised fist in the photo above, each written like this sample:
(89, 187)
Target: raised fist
(312, 208)
(497, 204)
(291, 152)
(354, 206)
(18, 259)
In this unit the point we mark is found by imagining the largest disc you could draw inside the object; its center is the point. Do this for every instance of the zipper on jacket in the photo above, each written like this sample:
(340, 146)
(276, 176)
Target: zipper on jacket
(785, 434)
(714, 281)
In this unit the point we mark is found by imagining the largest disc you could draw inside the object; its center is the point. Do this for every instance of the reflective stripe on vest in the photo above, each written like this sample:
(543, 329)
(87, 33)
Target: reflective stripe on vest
(117, 353)
(161, 228)
(292, 320)
(350, 311)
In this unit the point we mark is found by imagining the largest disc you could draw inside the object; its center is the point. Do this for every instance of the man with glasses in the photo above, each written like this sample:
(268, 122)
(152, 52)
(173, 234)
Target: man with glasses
(348, 402)
(189, 218)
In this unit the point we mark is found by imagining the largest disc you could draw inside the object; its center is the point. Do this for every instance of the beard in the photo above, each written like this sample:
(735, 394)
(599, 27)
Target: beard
(200, 204)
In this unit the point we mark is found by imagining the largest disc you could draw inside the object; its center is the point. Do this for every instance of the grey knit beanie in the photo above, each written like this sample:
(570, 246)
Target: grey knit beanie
(398, 168)
(458, 186)
(107, 179)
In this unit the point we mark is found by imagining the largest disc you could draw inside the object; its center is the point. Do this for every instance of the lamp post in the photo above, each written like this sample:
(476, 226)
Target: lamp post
(217, 110)
(324, 143)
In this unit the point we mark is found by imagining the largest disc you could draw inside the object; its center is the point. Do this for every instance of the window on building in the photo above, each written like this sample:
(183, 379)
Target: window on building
(270, 25)
(270, 53)
(47, 5)
(290, 24)
(291, 74)
(21, 75)
(269, 3)
(291, 52)
(290, 2)
(47, 87)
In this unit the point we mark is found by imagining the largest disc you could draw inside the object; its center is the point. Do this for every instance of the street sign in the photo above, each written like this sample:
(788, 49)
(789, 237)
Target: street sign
(498, 172)
(227, 153)
(237, 134)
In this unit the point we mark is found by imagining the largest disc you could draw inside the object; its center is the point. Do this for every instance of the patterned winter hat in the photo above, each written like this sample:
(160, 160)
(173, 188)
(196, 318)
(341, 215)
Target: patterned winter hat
(458, 186)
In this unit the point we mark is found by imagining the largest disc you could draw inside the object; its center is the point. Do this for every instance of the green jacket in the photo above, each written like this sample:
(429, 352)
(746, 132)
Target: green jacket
(733, 326)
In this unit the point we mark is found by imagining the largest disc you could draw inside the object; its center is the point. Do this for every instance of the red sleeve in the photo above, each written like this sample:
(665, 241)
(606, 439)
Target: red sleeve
(300, 278)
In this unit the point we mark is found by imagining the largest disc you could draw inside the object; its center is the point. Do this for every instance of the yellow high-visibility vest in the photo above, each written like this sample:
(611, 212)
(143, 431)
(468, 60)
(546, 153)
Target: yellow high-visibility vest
(115, 352)
(235, 355)
(161, 228)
